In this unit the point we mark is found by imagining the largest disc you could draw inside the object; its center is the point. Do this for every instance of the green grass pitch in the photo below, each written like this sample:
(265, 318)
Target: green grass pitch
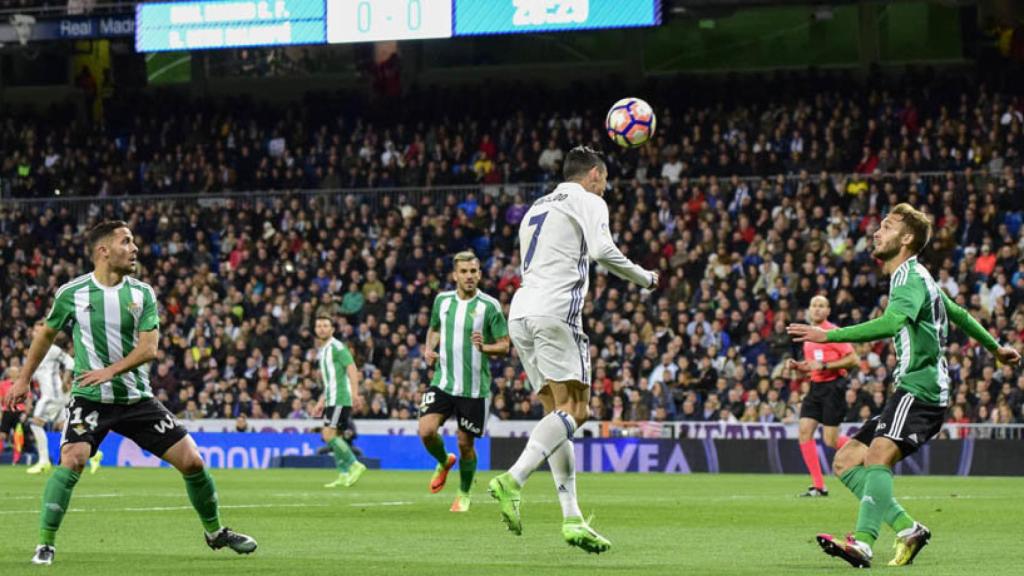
(140, 522)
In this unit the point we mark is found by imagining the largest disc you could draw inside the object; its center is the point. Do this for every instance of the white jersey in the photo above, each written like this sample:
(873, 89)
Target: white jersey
(558, 236)
(48, 374)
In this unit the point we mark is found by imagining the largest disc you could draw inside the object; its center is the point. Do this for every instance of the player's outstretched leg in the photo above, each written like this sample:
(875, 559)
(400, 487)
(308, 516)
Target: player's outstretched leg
(56, 498)
(552, 430)
(576, 531)
(202, 493)
(911, 535)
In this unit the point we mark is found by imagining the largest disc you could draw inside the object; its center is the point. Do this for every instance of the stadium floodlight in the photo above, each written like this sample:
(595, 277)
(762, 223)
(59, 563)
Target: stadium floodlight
(22, 24)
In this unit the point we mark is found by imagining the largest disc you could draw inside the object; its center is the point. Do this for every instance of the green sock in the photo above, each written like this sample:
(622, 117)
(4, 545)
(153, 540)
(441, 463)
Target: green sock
(467, 469)
(56, 497)
(854, 480)
(203, 494)
(435, 445)
(343, 455)
(895, 515)
(876, 501)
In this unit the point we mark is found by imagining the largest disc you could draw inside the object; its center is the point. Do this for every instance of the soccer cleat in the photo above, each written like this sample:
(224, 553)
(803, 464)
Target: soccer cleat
(813, 492)
(461, 502)
(908, 543)
(342, 480)
(577, 532)
(858, 554)
(505, 490)
(94, 462)
(354, 472)
(39, 467)
(44, 555)
(226, 537)
(441, 475)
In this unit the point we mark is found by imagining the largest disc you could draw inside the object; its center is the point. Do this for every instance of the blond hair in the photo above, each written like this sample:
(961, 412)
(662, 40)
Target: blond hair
(465, 256)
(917, 224)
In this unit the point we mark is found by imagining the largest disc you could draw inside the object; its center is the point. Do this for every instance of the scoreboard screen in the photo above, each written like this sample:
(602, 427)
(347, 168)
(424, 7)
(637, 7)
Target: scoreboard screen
(211, 24)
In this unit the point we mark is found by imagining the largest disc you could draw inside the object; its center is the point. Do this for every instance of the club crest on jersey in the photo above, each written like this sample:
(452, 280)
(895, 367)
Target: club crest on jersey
(135, 309)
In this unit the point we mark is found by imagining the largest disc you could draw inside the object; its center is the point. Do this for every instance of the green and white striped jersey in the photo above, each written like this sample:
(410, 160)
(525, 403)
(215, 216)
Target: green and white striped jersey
(107, 323)
(461, 369)
(335, 359)
(921, 343)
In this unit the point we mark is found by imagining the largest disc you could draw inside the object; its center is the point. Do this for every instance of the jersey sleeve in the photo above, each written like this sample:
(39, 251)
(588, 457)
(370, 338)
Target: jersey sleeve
(344, 357)
(885, 326)
(63, 309)
(149, 319)
(591, 212)
(435, 315)
(496, 324)
(968, 324)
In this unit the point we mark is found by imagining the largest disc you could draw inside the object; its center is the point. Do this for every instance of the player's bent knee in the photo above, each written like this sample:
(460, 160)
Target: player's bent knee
(191, 464)
(75, 458)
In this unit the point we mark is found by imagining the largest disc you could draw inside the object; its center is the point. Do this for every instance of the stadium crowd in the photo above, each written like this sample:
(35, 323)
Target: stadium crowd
(748, 208)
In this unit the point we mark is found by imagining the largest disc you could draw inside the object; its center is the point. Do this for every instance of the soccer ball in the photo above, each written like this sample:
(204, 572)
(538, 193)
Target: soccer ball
(630, 122)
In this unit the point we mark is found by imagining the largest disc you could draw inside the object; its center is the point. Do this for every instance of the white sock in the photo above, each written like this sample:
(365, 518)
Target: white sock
(563, 468)
(547, 435)
(42, 444)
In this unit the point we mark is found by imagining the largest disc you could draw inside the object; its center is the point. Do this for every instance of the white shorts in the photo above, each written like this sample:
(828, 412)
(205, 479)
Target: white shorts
(551, 349)
(49, 409)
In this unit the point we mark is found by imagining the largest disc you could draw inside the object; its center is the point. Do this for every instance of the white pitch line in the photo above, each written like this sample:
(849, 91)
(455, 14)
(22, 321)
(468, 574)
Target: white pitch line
(396, 503)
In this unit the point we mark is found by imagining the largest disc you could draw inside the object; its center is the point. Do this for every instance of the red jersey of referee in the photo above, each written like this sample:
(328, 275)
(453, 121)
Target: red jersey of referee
(5, 385)
(826, 352)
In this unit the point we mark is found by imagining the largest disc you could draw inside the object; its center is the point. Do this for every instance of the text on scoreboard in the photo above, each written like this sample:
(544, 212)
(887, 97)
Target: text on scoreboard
(165, 26)
(475, 17)
(203, 24)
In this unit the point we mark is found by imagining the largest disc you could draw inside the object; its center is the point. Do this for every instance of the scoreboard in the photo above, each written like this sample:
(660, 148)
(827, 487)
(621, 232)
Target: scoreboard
(210, 24)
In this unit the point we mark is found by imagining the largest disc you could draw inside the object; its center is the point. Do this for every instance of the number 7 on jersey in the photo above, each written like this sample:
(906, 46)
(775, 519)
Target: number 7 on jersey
(538, 221)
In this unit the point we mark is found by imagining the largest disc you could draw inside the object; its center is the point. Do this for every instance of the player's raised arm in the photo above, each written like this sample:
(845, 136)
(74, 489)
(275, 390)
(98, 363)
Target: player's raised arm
(593, 218)
(885, 326)
(975, 330)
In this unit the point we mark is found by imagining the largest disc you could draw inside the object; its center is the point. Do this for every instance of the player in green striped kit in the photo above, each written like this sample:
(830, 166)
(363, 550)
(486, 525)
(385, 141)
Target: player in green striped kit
(917, 319)
(340, 378)
(466, 326)
(116, 333)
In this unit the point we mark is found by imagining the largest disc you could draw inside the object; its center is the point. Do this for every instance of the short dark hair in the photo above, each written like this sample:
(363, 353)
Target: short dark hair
(579, 161)
(100, 231)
